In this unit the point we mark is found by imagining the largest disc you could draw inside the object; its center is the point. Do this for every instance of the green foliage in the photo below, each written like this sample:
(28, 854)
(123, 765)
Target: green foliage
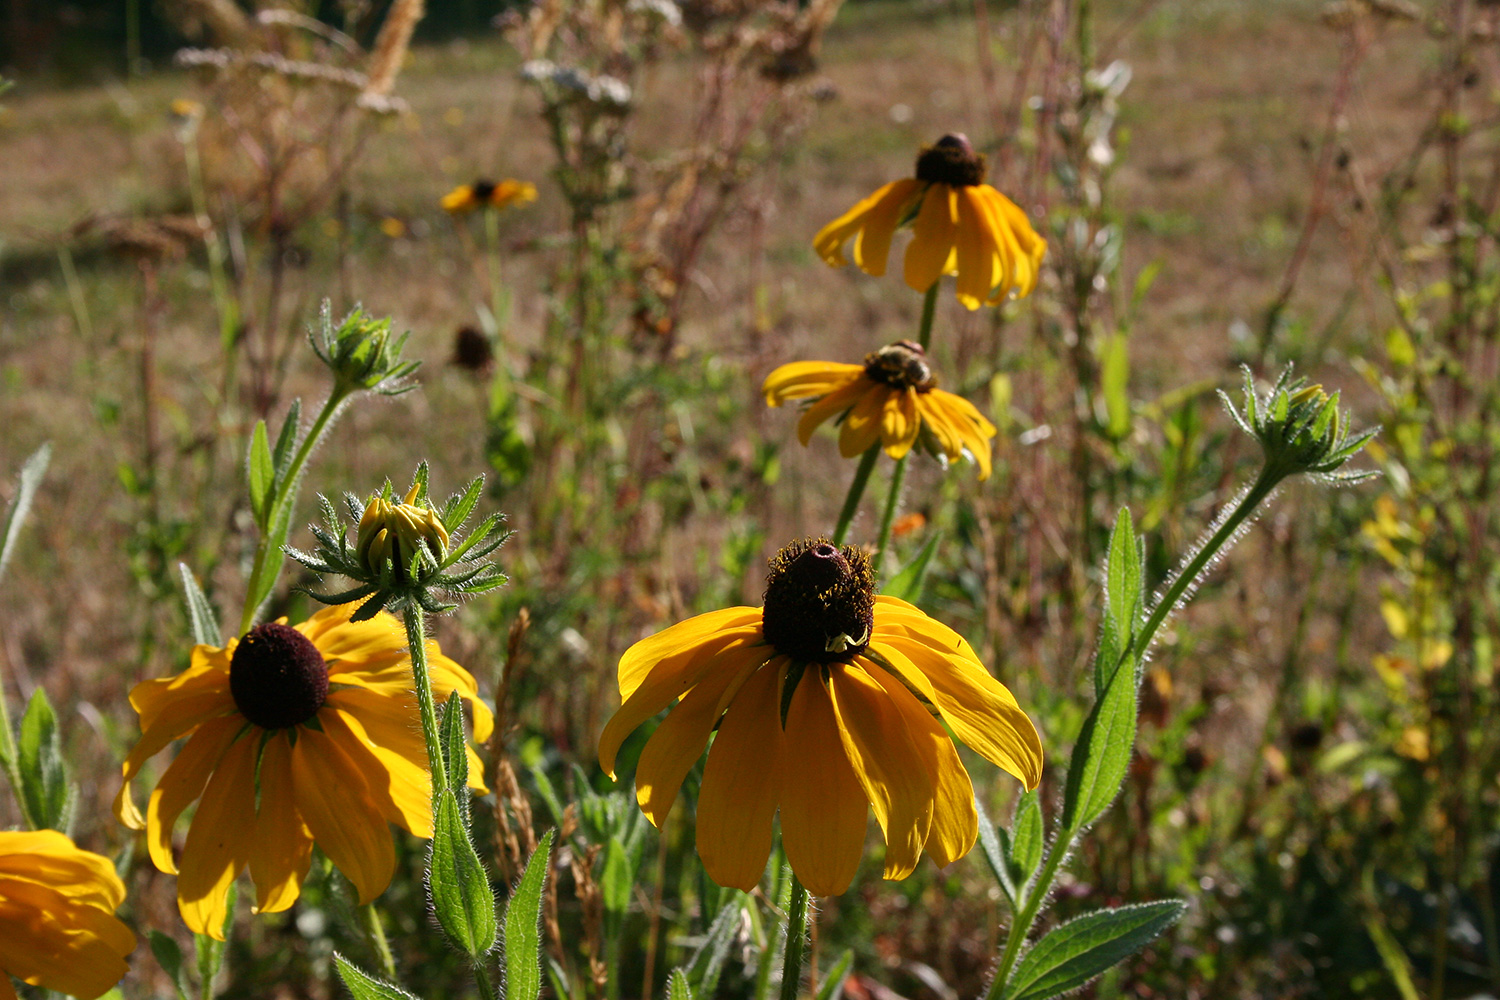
(460, 887)
(523, 973)
(169, 957)
(363, 986)
(1073, 953)
(47, 797)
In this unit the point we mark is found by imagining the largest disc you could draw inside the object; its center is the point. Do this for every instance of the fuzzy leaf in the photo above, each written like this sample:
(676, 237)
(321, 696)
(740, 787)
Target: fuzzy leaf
(907, 584)
(44, 792)
(1102, 753)
(1072, 954)
(30, 479)
(363, 986)
(169, 957)
(1026, 837)
(833, 982)
(262, 474)
(460, 886)
(202, 617)
(523, 935)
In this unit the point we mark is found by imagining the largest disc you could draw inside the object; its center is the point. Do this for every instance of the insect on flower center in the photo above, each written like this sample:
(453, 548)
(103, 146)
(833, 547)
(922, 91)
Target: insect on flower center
(952, 160)
(820, 601)
(277, 677)
(902, 365)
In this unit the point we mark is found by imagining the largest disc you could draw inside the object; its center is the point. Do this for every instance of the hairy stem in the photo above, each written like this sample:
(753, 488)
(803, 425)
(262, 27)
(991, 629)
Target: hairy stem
(796, 934)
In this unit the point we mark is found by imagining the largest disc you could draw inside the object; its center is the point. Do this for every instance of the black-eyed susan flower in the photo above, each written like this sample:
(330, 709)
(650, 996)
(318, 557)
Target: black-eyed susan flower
(296, 734)
(488, 194)
(829, 702)
(892, 398)
(57, 924)
(960, 225)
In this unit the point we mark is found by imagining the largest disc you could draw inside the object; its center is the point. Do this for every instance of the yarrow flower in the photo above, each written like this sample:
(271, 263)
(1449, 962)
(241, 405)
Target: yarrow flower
(829, 701)
(892, 398)
(960, 225)
(488, 194)
(296, 734)
(57, 924)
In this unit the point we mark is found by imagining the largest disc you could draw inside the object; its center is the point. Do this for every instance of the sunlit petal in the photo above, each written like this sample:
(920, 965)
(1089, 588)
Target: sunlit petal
(741, 785)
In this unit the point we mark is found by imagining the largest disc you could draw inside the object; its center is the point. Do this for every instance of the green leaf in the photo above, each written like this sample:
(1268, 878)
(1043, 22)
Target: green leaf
(45, 796)
(618, 878)
(281, 455)
(708, 961)
(202, 617)
(833, 982)
(907, 584)
(363, 986)
(1102, 754)
(31, 477)
(523, 934)
(262, 475)
(1114, 379)
(677, 986)
(169, 957)
(1072, 954)
(1026, 837)
(995, 851)
(276, 534)
(460, 886)
(1124, 598)
(455, 752)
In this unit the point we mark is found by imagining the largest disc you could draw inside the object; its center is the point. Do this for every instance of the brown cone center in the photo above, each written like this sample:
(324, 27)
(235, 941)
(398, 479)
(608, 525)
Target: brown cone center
(819, 602)
(277, 677)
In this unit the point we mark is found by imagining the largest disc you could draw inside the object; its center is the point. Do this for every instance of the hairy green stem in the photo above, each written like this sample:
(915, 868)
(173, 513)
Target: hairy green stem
(1026, 916)
(796, 934)
(892, 501)
(856, 490)
(264, 554)
(375, 930)
(416, 640)
(482, 977)
(929, 310)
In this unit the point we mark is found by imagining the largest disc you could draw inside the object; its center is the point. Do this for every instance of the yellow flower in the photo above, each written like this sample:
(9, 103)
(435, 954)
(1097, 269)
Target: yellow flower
(391, 532)
(57, 923)
(828, 701)
(467, 197)
(319, 723)
(892, 398)
(960, 225)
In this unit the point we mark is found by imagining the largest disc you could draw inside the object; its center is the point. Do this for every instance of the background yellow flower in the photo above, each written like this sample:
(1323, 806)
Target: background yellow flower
(468, 197)
(57, 923)
(319, 722)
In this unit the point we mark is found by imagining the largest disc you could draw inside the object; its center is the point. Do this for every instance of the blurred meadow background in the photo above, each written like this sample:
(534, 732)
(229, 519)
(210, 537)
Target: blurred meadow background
(1220, 184)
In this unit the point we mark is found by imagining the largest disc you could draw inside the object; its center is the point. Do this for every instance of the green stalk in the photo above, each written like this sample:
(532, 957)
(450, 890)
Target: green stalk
(1021, 926)
(375, 930)
(892, 501)
(416, 640)
(288, 494)
(796, 934)
(929, 309)
(492, 268)
(856, 490)
(482, 977)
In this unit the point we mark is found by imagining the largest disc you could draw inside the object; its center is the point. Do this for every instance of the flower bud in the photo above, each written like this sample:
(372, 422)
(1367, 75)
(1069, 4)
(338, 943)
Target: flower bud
(1299, 428)
(391, 533)
(362, 354)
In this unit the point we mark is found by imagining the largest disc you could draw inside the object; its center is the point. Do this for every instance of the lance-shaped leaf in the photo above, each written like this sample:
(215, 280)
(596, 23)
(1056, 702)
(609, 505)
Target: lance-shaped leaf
(523, 933)
(1072, 954)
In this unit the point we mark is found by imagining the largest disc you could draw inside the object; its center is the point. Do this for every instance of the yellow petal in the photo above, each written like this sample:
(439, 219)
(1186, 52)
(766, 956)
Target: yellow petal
(696, 651)
(829, 241)
(976, 253)
(48, 941)
(183, 782)
(899, 422)
(51, 859)
(955, 823)
(872, 245)
(218, 842)
(400, 787)
(862, 424)
(741, 785)
(834, 403)
(335, 802)
(281, 852)
(823, 808)
(679, 741)
(894, 768)
(932, 238)
(959, 427)
(802, 379)
(672, 647)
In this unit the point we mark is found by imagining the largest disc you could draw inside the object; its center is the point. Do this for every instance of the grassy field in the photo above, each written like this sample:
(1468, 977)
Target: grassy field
(1314, 772)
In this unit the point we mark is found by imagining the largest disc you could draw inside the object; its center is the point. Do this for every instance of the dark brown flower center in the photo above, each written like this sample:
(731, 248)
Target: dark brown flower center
(902, 365)
(277, 677)
(482, 190)
(951, 160)
(820, 601)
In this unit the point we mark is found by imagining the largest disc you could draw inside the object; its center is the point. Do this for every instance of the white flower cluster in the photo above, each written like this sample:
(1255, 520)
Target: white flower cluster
(600, 89)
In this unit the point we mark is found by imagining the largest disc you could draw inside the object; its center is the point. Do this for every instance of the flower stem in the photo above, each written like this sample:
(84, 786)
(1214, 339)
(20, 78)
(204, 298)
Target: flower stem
(1219, 537)
(796, 933)
(929, 309)
(416, 639)
(265, 554)
(492, 269)
(892, 501)
(856, 490)
(482, 977)
(1020, 927)
(376, 932)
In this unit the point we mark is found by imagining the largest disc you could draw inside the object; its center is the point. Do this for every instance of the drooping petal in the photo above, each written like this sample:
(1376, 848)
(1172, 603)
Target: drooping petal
(872, 245)
(829, 241)
(896, 770)
(336, 803)
(957, 422)
(679, 741)
(831, 405)
(281, 851)
(218, 842)
(976, 251)
(823, 808)
(955, 823)
(183, 782)
(667, 649)
(927, 257)
(862, 426)
(804, 379)
(447, 677)
(400, 787)
(938, 662)
(51, 859)
(170, 707)
(678, 673)
(49, 942)
(742, 784)
(1021, 248)
(899, 422)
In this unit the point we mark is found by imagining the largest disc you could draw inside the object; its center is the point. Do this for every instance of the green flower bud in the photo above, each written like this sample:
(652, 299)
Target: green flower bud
(392, 533)
(362, 354)
(1300, 429)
